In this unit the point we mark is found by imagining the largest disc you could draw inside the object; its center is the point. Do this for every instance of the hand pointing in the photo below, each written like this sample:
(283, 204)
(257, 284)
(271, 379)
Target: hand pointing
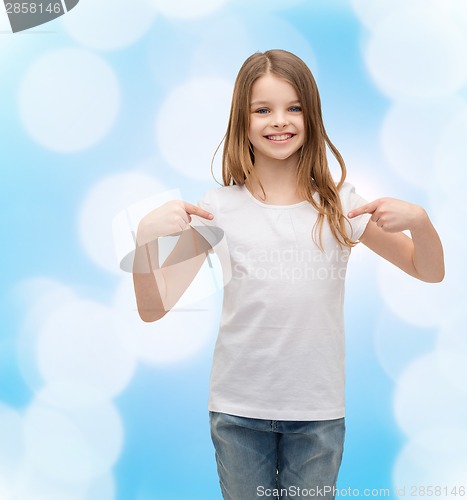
(391, 215)
(169, 219)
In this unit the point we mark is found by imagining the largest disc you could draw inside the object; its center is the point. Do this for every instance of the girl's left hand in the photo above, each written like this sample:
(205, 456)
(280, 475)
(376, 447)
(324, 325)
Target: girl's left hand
(392, 215)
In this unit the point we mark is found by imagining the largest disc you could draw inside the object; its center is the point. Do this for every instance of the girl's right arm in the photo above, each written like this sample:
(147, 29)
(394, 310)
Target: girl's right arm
(158, 288)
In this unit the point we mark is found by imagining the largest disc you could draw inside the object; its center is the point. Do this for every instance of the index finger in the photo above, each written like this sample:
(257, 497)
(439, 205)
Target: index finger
(195, 210)
(369, 208)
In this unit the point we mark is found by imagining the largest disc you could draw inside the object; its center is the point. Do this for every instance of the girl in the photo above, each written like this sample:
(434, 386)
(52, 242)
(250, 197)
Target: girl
(277, 383)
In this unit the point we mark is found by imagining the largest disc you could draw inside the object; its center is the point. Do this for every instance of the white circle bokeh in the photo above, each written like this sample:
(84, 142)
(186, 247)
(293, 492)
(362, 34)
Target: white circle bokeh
(272, 31)
(453, 368)
(267, 5)
(450, 174)
(187, 9)
(457, 10)
(373, 12)
(6, 42)
(435, 458)
(397, 345)
(38, 298)
(215, 55)
(452, 333)
(34, 484)
(109, 25)
(74, 446)
(69, 99)
(410, 134)
(417, 53)
(191, 124)
(448, 216)
(418, 303)
(426, 397)
(78, 343)
(5, 492)
(181, 334)
(66, 441)
(102, 488)
(11, 437)
(104, 200)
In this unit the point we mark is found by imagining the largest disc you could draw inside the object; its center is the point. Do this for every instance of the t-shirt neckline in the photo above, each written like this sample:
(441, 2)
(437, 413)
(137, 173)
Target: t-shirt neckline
(267, 205)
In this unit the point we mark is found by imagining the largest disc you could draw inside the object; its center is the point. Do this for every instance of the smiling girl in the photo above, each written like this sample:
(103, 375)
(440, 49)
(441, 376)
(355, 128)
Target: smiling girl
(277, 383)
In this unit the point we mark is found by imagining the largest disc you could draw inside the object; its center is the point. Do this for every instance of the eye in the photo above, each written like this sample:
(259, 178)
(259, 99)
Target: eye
(262, 111)
(295, 109)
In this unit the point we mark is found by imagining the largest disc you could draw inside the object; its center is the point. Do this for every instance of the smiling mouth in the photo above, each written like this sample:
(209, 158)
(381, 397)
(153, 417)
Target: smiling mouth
(279, 138)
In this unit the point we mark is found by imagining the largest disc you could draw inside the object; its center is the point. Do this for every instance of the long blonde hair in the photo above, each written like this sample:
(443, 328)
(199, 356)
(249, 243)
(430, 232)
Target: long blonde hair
(313, 174)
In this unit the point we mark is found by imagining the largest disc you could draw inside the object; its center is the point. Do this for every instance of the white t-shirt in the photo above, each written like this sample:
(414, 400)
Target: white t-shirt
(280, 352)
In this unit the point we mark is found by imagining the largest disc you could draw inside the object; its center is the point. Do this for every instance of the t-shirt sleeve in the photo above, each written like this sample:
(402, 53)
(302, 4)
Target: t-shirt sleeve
(350, 201)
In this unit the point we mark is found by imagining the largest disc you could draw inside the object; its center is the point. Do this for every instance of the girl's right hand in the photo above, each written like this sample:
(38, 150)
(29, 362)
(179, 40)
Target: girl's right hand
(168, 219)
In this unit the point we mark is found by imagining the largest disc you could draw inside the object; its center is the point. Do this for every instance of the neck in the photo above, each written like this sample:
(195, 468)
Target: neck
(278, 178)
(276, 175)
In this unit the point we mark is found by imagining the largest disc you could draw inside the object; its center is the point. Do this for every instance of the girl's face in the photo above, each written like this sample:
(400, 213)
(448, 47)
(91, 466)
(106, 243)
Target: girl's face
(277, 129)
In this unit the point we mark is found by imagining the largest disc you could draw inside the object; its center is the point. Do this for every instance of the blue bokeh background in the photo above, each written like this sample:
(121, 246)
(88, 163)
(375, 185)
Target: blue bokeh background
(56, 255)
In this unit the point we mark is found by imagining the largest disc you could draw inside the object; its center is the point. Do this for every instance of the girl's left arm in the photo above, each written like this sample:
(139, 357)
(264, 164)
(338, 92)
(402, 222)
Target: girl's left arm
(420, 256)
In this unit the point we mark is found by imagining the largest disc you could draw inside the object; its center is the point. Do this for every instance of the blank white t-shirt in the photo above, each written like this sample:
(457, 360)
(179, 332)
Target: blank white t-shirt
(280, 352)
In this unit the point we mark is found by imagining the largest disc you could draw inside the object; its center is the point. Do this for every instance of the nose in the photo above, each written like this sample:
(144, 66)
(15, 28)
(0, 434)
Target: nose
(280, 120)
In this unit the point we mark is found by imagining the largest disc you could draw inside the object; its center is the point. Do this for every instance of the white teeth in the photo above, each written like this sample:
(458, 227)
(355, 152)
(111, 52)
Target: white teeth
(279, 137)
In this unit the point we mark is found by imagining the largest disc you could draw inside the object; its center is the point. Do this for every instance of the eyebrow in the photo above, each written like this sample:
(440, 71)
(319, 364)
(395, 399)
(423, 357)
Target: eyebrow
(257, 103)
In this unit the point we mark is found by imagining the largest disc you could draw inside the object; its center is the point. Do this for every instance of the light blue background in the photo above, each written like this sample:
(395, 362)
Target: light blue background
(166, 451)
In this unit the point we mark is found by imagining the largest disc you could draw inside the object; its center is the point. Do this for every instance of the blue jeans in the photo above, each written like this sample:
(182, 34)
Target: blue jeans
(276, 459)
